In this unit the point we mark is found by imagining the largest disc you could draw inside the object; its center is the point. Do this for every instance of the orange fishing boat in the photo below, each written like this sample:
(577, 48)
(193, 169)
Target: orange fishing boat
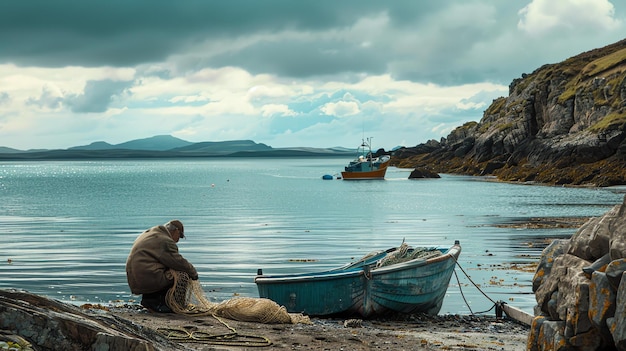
(365, 166)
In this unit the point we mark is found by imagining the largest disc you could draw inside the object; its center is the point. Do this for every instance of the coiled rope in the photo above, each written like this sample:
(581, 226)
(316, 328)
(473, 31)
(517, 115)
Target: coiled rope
(191, 334)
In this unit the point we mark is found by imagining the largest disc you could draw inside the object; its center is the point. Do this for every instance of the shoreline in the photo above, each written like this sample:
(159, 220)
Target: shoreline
(46, 323)
(399, 332)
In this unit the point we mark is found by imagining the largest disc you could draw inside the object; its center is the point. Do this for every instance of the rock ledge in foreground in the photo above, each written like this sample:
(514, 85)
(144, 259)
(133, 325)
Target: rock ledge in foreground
(51, 325)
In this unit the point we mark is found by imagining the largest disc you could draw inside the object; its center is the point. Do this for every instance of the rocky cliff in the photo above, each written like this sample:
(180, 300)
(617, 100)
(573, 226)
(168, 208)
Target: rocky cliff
(564, 123)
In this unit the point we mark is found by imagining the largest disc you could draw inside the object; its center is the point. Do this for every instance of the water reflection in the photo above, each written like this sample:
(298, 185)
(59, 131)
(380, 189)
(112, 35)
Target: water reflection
(70, 225)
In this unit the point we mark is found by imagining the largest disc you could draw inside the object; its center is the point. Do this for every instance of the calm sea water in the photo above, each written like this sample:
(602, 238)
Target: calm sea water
(67, 226)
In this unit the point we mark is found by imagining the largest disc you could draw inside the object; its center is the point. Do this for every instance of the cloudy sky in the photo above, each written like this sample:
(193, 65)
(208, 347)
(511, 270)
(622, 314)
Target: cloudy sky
(281, 72)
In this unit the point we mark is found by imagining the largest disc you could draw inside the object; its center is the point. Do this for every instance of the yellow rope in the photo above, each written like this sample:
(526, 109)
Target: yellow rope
(231, 339)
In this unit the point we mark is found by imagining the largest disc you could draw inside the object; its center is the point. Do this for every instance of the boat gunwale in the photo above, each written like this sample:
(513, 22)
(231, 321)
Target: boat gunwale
(331, 274)
(455, 250)
(355, 269)
(347, 269)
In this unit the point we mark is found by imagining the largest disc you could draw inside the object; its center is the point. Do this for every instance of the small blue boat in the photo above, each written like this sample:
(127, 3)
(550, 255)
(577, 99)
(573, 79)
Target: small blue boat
(403, 279)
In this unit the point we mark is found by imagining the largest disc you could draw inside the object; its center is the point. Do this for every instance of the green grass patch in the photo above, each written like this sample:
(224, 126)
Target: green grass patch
(612, 119)
(484, 127)
(496, 106)
(590, 70)
(506, 126)
(570, 91)
(469, 125)
(604, 63)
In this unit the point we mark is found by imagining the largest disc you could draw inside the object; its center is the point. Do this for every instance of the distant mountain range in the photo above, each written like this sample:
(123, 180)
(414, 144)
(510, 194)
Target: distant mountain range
(169, 146)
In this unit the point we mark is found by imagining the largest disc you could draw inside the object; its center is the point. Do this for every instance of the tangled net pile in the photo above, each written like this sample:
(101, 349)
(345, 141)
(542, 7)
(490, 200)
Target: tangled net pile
(405, 253)
(187, 297)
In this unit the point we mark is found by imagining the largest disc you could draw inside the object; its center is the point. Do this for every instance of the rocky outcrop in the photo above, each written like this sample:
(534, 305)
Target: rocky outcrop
(420, 173)
(564, 123)
(580, 293)
(44, 324)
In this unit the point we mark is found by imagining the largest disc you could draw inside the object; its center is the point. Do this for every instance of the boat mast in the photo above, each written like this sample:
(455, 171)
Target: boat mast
(369, 151)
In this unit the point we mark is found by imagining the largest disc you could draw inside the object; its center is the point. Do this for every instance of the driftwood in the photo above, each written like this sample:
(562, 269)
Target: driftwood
(517, 314)
(52, 325)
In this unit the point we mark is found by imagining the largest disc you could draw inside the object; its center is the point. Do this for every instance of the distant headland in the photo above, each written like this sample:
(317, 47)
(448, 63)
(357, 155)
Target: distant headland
(563, 124)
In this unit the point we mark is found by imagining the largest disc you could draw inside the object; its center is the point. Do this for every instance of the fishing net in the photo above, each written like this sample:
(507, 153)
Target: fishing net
(406, 253)
(187, 297)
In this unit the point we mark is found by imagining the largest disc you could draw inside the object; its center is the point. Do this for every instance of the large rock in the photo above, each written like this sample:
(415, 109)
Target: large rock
(592, 239)
(602, 301)
(614, 272)
(551, 336)
(581, 305)
(423, 173)
(618, 322)
(565, 273)
(51, 325)
(617, 242)
(546, 262)
(573, 289)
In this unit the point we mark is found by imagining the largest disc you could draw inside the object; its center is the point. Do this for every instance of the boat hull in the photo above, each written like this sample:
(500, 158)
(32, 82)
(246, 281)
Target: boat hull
(378, 174)
(318, 294)
(410, 287)
(414, 286)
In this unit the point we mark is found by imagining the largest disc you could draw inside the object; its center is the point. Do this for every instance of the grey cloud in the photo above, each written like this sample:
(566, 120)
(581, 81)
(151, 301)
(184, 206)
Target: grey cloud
(97, 96)
(116, 32)
(4, 98)
(484, 96)
(304, 59)
(47, 99)
(160, 72)
(446, 41)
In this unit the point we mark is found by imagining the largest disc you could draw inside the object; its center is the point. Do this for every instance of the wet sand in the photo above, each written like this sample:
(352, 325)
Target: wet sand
(406, 332)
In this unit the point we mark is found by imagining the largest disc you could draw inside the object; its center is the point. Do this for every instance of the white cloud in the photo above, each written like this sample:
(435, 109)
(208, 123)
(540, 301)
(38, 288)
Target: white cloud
(33, 84)
(541, 16)
(188, 99)
(341, 108)
(276, 110)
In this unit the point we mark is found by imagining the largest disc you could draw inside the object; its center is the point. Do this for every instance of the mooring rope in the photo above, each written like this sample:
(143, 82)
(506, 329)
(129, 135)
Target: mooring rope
(461, 290)
(190, 334)
(477, 287)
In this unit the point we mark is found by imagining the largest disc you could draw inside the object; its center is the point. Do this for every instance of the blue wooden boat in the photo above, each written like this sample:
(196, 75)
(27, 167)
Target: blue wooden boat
(404, 279)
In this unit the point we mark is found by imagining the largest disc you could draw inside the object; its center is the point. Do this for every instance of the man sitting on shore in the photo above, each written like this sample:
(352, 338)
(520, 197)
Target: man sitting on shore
(152, 259)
